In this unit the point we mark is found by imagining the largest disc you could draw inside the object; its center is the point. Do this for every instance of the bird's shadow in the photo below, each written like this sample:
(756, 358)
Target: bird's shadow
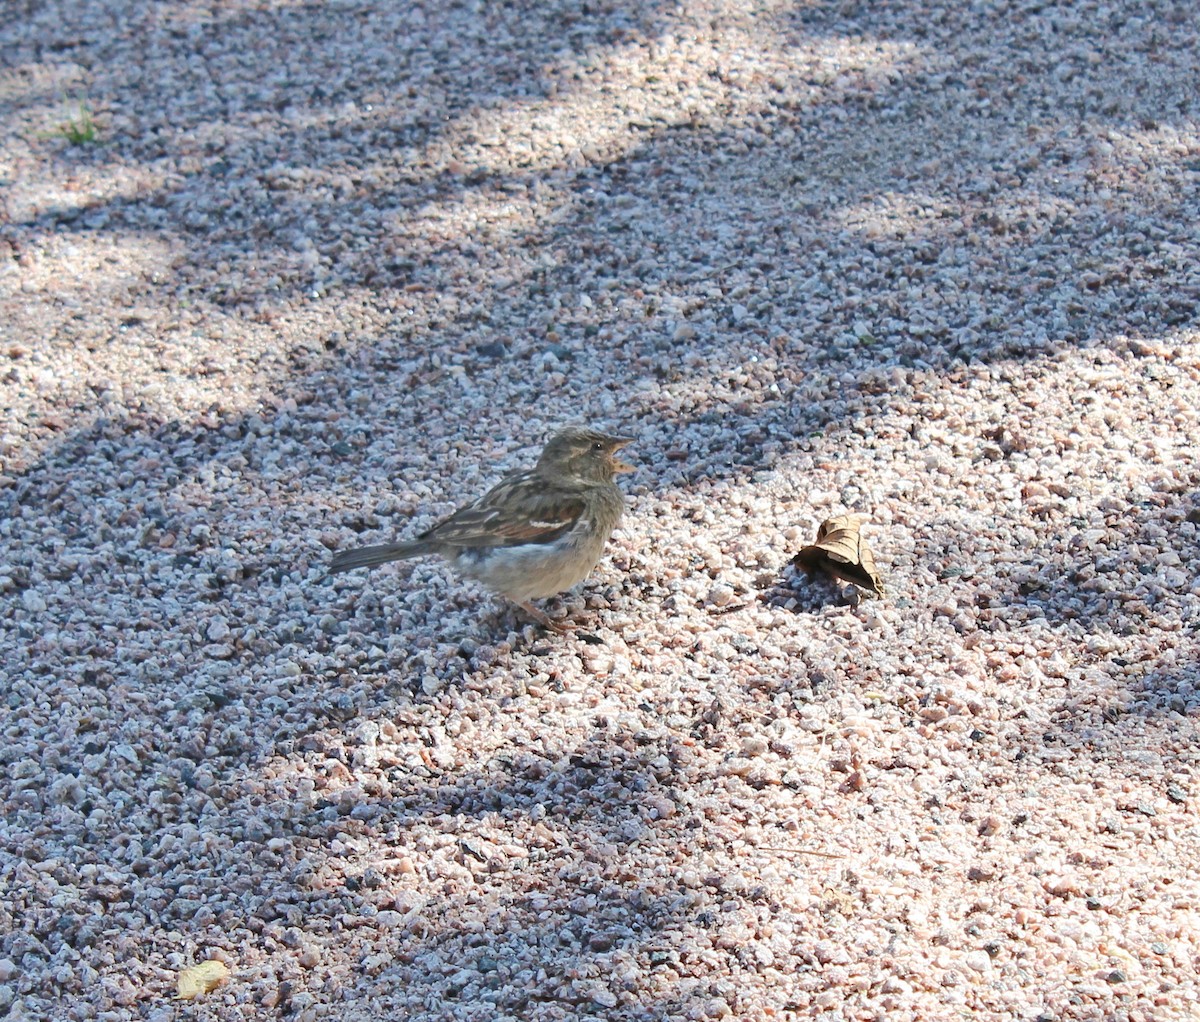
(525, 634)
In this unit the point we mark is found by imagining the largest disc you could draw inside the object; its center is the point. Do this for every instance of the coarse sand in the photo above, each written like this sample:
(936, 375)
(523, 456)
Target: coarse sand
(283, 276)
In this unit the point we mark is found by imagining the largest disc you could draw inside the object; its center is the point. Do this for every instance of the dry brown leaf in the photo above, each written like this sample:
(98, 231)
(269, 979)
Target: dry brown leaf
(841, 551)
(200, 979)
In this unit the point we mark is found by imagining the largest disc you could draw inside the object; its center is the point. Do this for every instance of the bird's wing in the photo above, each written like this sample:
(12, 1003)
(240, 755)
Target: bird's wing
(522, 509)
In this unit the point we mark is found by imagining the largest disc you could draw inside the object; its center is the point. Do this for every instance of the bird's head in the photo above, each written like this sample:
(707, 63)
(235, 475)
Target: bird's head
(584, 454)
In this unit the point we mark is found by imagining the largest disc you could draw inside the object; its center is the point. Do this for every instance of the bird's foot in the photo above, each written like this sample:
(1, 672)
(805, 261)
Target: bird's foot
(543, 619)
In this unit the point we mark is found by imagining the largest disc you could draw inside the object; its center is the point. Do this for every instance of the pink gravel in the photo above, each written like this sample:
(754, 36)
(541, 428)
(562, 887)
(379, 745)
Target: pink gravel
(277, 278)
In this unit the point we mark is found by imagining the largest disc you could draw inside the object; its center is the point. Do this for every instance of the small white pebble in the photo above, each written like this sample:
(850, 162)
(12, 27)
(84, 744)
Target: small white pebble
(720, 595)
(978, 961)
(754, 746)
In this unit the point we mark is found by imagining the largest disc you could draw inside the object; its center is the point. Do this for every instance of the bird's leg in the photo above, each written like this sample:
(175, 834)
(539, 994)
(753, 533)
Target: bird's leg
(543, 619)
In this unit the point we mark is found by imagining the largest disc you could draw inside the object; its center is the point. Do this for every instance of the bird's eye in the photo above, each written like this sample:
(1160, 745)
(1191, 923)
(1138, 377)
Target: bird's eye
(597, 446)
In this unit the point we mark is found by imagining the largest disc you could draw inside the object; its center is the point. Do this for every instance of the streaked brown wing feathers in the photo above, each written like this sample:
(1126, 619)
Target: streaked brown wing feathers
(514, 512)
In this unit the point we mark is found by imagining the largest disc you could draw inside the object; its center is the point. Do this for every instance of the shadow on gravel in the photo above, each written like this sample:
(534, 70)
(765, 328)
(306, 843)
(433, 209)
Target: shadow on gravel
(635, 907)
(1077, 580)
(317, 180)
(983, 245)
(453, 863)
(1168, 688)
(646, 891)
(993, 245)
(1137, 714)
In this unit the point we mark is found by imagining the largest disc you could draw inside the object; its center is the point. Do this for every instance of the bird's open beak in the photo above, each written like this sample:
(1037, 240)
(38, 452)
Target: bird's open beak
(617, 443)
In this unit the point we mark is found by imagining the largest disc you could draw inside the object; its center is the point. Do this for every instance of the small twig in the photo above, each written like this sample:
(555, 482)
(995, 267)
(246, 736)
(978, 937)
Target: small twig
(798, 851)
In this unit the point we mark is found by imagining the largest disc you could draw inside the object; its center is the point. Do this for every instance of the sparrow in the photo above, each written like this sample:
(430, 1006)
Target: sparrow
(536, 533)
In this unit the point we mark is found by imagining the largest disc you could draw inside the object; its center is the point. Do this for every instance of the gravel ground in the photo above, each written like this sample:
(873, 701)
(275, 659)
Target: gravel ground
(328, 268)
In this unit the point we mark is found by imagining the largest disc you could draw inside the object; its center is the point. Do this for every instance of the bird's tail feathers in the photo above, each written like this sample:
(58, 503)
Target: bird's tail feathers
(369, 556)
